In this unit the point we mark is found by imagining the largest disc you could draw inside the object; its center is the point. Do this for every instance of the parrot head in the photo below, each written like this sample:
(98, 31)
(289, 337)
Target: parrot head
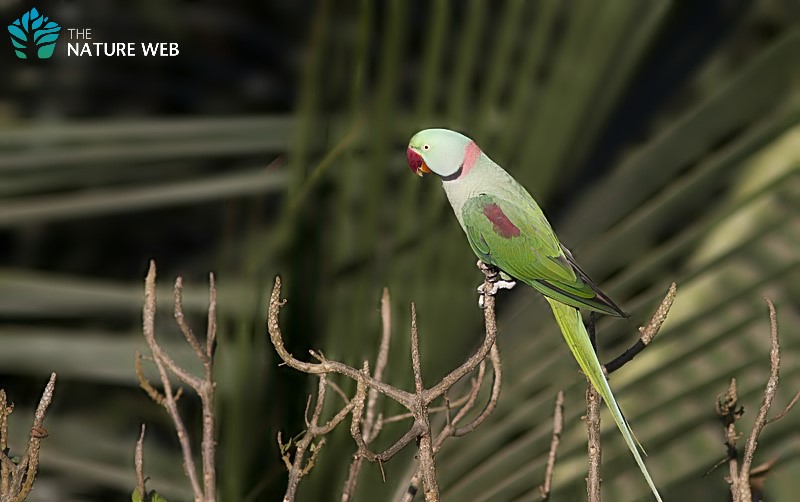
(439, 151)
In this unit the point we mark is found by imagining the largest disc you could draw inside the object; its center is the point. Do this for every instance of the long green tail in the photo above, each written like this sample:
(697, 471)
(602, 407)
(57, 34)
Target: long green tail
(571, 324)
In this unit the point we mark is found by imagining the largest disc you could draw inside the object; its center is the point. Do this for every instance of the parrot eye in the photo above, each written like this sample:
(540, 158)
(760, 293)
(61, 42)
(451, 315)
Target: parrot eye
(426, 146)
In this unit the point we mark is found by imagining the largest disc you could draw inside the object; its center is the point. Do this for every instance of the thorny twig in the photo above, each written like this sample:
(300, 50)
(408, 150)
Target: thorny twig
(204, 387)
(16, 478)
(593, 399)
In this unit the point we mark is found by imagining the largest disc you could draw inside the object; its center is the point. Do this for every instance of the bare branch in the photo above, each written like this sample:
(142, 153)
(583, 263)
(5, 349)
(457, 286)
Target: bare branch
(415, 358)
(181, 320)
(204, 387)
(473, 362)
(211, 331)
(144, 383)
(6, 465)
(457, 403)
(358, 411)
(138, 461)
(206, 393)
(594, 446)
(380, 361)
(786, 409)
(450, 429)
(743, 479)
(728, 411)
(558, 427)
(364, 429)
(761, 419)
(491, 404)
(426, 464)
(648, 332)
(372, 425)
(148, 328)
(300, 467)
(324, 366)
(17, 479)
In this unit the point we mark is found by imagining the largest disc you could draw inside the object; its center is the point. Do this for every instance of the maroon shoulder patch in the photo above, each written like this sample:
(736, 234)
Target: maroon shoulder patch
(502, 225)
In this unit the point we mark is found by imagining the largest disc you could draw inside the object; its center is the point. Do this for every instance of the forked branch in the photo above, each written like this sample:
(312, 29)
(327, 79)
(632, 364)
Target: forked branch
(203, 386)
(366, 422)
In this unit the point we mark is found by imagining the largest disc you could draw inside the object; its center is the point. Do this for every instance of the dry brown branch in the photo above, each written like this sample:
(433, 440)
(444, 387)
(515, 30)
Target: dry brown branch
(372, 424)
(450, 428)
(380, 362)
(300, 467)
(6, 465)
(204, 387)
(338, 390)
(558, 427)
(595, 449)
(418, 403)
(648, 332)
(140, 493)
(786, 409)
(728, 411)
(771, 389)
(491, 404)
(324, 365)
(743, 479)
(456, 403)
(138, 461)
(18, 478)
(426, 463)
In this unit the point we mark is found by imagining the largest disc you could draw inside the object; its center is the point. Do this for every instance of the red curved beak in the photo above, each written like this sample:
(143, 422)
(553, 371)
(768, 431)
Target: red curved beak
(416, 163)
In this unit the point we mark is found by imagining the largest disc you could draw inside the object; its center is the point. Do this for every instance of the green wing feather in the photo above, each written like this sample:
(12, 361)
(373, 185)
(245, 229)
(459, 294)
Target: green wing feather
(518, 239)
(532, 254)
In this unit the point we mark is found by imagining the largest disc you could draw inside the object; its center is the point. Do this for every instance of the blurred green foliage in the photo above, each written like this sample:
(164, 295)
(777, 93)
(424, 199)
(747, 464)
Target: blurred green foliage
(662, 139)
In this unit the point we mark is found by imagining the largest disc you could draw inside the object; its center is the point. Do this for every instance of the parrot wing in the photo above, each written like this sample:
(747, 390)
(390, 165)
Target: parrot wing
(517, 238)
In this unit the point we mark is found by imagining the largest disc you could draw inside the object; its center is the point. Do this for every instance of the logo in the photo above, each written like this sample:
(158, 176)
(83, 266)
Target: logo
(34, 35)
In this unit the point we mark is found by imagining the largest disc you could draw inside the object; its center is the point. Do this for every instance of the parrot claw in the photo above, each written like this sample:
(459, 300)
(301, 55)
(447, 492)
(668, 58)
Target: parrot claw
(490, 271)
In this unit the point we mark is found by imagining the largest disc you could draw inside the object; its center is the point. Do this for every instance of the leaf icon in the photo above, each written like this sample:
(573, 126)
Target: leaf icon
(34, 32)
(37, 22)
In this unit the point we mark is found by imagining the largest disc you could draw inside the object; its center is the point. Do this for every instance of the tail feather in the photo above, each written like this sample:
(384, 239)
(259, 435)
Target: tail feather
(574, 332)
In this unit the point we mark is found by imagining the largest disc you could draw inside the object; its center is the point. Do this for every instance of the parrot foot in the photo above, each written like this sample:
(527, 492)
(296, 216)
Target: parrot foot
(497, 285)
(490, 271)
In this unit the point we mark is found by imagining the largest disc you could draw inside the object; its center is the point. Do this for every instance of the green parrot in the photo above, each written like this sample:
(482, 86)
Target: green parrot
(507, 230)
